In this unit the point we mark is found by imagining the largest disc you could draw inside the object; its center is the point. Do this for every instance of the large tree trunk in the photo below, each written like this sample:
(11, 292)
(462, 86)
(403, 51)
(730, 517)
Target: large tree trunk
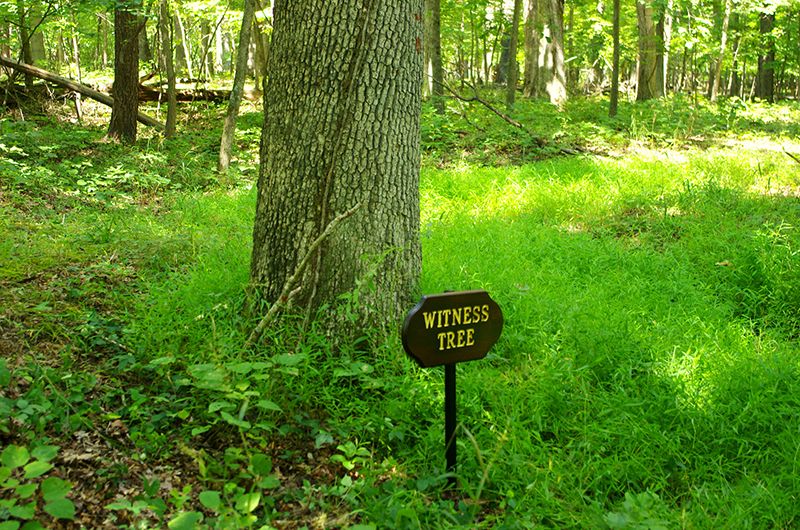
(614, 102)
(765, 84)
(350, 138)
(229, 126)
(650, 78)
(126, 76)
(723, 45)
(545, 74)
(513, 67)
(167, 61)
(433, 47)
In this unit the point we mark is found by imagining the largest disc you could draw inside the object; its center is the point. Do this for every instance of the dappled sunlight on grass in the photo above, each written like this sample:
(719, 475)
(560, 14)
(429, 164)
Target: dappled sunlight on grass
(634, 340)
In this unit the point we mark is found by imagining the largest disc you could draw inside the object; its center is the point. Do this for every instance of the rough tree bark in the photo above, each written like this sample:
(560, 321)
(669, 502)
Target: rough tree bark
(126, 74)
(229, 126)
(350, 138)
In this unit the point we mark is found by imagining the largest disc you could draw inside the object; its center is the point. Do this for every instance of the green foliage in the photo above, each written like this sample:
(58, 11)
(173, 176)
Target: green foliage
(26, 496)
(646, 376)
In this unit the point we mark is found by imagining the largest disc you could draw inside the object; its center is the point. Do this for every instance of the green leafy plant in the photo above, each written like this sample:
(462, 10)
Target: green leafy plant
(28, 493)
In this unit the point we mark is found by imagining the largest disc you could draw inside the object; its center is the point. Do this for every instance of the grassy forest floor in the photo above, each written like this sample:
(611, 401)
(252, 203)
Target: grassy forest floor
(648, 375)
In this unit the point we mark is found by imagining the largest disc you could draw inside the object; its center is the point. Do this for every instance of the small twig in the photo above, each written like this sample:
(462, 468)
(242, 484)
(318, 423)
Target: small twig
(478, 99)
(538, 140)
(790, 155)
(288, 292)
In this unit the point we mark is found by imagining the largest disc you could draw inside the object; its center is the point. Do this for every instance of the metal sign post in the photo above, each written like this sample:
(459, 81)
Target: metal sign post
(446, 329)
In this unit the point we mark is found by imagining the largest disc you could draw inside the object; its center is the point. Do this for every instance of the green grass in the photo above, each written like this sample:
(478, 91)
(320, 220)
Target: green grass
(647, 376)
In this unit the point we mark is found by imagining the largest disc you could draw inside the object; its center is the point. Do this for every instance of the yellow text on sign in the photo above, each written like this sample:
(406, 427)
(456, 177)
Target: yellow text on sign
(460, 316)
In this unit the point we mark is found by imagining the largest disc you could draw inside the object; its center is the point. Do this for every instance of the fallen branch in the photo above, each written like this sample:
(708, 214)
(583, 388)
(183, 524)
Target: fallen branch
(790, 155)
(147, 93)
(538, 140)
(477, 98)
(289, 292)
(89, 92)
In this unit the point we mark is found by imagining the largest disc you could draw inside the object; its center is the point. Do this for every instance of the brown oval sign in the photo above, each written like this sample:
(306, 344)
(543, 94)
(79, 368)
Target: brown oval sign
(452, 328)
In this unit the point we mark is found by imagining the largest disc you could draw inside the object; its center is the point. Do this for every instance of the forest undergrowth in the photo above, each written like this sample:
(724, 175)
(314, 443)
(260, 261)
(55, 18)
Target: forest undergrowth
(647, 376)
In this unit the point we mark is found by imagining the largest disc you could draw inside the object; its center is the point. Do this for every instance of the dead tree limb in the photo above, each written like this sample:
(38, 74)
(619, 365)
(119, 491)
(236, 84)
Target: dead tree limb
(476, 98)
(792, 156)
(89, 92)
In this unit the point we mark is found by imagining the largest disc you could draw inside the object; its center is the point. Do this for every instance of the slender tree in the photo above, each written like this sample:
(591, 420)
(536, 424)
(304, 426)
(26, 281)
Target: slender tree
(433, 48)
(184, 50)
(346, 144)
(168, 63)
(513, 67)
(614, 102)
(723, 45)
(229, 126)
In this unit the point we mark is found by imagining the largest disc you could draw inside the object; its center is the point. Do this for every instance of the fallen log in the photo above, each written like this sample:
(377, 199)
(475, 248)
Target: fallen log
(87, 91)
(147, 93)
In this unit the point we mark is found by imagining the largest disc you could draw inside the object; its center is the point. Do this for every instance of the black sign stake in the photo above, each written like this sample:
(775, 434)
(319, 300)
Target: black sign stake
(450, 422)
(446, 329)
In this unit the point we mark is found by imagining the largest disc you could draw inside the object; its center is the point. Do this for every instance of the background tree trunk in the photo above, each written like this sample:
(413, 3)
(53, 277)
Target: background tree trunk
(126, 76)
(145, 53)
(76, 59)
(532, 38)
(557, 84)
(663, 40)
(25, 41)
(184, 51)
(723, 44)
(167, 60)
(648, 85)
(614, 101)
(513, 67)
(546, 73)
(229, 126)
(350, 138)
(433, 46)
(765, 84)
